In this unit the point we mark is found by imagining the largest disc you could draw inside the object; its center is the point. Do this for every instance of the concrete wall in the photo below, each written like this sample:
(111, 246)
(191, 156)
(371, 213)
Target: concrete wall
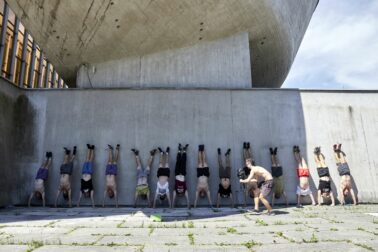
(218, 118)
(223, 63)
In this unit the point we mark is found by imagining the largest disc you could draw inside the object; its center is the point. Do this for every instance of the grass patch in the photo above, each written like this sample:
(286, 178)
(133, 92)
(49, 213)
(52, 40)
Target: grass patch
(151, 230)
(121, 224)
(313, 239)
(261, 222)
(34, 245)
(190, 224)
(375, 221)
(333, 229)
(231, 230)
(191, 238)
(280, 234)
(279, 223)
(183, 225)
(364, 246)
(250, 244)
(170, 244)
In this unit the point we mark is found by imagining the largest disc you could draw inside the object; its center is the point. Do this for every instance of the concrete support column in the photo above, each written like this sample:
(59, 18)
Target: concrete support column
(32, 64)
(47, 75)
(40, 69)
(53, 78)
(14, 49)
(3, 33)
(23, 57)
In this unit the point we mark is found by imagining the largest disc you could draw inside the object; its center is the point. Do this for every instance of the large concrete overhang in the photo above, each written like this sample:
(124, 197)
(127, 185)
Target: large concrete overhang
(93, 31)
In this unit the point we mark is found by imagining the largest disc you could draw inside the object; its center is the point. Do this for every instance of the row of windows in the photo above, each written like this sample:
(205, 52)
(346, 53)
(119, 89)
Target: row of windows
(38, 72)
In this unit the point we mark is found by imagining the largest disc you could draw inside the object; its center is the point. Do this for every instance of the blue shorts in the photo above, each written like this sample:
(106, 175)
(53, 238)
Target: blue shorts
(87, 168)
(111, 169)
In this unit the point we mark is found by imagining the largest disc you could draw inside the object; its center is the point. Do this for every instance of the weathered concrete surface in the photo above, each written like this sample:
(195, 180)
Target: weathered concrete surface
(223, 63)
(76, 32)
(218, 118)
(350, 228)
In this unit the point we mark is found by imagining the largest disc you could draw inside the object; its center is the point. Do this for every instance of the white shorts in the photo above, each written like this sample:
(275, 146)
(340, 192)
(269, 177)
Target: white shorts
(303, 192)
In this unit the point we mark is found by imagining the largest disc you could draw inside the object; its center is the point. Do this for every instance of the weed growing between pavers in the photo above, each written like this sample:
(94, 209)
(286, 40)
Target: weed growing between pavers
(151, 229)
(375, 221)
(333, 229)
(170, 244)
(120, 225)
(279, 223)
(191, 238)
(313, 239)
(250, 244)
(261, 222)
(280, 234)
(364, 246)
(190, 224)
(367, 231)
(34, 245)
(231, 230)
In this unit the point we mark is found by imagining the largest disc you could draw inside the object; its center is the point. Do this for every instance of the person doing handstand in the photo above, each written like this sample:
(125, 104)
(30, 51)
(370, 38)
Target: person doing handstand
(277, 173)
(86, 187)
(203, 174)
(40, 179)
(224, 190)
(180, 175)
(266, 186)
(110, 174)
(162, 186)
(324, 189)
(142, 189)
(65, 176)
(344, 172)
(303, 189)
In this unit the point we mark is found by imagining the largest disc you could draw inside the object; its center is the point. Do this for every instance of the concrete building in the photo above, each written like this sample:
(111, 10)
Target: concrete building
(156, 73)
(169, 43)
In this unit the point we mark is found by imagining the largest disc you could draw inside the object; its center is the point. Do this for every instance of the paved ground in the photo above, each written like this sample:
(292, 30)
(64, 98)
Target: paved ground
(310, 228)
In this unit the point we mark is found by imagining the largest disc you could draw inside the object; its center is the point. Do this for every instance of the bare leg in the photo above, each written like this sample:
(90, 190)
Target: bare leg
(195, 201)
(166, 160)
(319, 197)
(220, 162)
(66, 159)
(43, 199)
(30, 198)
(232, 200)
(56, 198)
(169, 200)
(92, 199)
(92, 155)
(285, 196)
(103, 199)
(200, 165)
(110, 156)
(256, 200)
(78, 201)
(149, 162)
(218, 200)
(204, 159)
(209, 198)
(155, 198)
(173, 199)
(265, 202)
(332, 199)
(273, 196)
(70, 198)
(299, 200)
(342, 199)
(161, 160)
(116, 154)
(116, 198)
(88, 155)
(313, 199)
(353, 196)
(187, 199)
(135, 199)
(228, 161)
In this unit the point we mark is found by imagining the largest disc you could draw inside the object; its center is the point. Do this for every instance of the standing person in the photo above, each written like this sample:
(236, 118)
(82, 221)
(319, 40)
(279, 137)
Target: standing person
(224, 190)
(277, 173)
(303, 189)
(203, 174)
(344, 172)
(111, 174)
(40, 179)
(180, 175)
(266, 185)
(86, 187)
(324, 189)
(142, 189)
(65, 176)
(162, 186)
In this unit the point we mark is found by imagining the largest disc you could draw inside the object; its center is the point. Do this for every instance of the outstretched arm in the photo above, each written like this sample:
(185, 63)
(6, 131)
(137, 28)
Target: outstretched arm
(249, 179)
(30, 198)
(56, 198)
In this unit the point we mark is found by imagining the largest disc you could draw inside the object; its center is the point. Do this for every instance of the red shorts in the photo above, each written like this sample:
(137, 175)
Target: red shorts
(180, 187)
(303, 172)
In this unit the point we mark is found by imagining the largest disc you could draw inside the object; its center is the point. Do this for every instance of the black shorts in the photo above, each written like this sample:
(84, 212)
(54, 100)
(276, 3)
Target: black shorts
(203, 172)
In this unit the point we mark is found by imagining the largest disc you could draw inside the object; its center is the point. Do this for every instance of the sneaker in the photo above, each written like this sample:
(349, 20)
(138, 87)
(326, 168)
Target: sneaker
(160, 150)
(219, 151)
(136, 152)
(275, 151)
(228, 152)
(153, 152)
(167, 150)
(271, 213)
(271, 151)
(110, 147)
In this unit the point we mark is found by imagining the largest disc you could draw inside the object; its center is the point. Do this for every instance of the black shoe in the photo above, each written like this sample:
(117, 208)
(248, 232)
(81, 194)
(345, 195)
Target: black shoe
(271, 151)
(179, 147)
(136, 152)
(67, 151)
(219, 151)
(275, 151)
(228, 152)
(244, 145)
(92, 147)
(47, 154)
(153, 152)
(295, 149)
(186, 147)
(118, 146)
(74, 150)
(201, 147)
(88, 146)
(317, 150)
(110, 147)
(160, 150)
(167, 150)
(248, 145)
